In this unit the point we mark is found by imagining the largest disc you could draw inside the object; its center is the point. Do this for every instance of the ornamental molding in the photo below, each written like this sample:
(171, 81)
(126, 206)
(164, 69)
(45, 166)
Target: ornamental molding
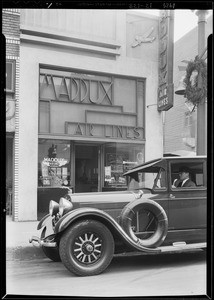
(61, 43)
(139, 39)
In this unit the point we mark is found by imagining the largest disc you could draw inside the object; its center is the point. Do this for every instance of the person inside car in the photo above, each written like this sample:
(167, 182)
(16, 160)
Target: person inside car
(184, 180)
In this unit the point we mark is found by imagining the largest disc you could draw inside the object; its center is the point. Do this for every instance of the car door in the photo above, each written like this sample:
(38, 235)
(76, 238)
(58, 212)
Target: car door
(188, 206)
(154, 186)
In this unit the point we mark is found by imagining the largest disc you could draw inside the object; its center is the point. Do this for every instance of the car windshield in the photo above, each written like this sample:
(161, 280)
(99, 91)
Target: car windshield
(147, 179)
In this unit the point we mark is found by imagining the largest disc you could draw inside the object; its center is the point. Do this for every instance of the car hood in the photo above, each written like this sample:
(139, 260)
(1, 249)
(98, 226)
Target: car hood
(107, 199)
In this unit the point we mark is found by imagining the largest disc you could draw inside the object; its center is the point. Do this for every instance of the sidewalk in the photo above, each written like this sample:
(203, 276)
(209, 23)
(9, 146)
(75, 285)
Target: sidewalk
(17, 240)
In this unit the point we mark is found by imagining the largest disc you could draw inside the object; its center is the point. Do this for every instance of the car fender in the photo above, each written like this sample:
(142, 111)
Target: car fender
(44, 221)
(106, 219)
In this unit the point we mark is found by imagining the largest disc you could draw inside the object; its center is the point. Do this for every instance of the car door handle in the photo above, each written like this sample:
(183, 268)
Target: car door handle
(171, 196)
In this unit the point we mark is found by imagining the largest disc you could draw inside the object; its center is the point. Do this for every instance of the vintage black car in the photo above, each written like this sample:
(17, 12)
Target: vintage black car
(153, 216)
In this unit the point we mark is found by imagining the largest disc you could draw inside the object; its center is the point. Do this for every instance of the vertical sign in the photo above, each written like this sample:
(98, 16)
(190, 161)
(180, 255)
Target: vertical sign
(165, 68)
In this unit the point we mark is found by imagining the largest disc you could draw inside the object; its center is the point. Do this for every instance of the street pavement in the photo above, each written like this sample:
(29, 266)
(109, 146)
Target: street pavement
(126, 276)
(17, 240)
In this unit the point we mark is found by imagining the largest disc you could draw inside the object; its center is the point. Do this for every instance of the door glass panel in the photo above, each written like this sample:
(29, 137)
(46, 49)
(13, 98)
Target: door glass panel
(86, 168)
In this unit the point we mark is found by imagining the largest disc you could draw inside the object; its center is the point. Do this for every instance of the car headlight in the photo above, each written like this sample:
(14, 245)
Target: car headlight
(64, 206)
(53, 208)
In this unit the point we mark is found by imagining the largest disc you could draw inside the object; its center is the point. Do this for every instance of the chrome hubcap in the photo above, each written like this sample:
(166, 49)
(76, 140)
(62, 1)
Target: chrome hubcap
(87, 248)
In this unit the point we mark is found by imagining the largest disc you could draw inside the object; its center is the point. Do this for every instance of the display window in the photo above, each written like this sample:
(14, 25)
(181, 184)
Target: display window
(119, 158)
(54, 163)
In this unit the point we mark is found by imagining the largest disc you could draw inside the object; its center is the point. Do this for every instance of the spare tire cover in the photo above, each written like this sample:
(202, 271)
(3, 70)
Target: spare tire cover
(130, 210)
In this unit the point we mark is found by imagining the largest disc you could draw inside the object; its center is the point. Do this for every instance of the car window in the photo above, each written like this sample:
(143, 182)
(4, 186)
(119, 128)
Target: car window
(195, 179)
(160, 180)
(149, 179)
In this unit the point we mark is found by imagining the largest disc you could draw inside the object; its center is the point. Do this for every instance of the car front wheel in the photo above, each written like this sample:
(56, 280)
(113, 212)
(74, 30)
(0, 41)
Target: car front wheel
(52, 253)
(87, 248)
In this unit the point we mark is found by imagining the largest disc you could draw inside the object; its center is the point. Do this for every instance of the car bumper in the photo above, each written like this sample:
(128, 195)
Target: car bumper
(47, 242)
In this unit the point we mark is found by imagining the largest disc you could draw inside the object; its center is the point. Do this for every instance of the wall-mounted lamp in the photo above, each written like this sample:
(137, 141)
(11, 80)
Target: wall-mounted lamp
(181, 87)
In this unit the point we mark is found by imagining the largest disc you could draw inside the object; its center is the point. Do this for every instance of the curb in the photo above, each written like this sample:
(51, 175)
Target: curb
(24, 253)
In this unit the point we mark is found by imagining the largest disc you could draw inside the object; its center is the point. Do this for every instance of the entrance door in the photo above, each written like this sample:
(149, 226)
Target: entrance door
(86, 168)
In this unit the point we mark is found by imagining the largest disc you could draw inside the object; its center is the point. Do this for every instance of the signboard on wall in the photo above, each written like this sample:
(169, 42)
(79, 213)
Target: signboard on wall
(89, 105)
(165, 68)
(104, 131)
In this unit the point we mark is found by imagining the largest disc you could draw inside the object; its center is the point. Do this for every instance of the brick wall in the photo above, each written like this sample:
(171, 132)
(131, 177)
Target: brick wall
(11, 31)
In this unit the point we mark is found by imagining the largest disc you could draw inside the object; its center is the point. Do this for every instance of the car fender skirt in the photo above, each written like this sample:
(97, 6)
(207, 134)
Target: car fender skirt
(96, 214)
(158, 214)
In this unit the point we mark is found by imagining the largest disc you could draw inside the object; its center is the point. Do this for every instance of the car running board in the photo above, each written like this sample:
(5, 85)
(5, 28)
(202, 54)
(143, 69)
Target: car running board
(181, 247)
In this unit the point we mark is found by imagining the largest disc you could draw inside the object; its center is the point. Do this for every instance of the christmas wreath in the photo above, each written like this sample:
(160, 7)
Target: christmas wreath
(196, 81)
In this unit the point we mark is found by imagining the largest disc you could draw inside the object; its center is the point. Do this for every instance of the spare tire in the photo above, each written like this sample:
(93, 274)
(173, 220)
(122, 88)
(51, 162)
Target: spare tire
(159, 218)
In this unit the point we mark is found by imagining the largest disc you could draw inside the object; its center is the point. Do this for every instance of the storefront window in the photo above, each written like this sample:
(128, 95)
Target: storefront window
(54, 163)
(119, 158)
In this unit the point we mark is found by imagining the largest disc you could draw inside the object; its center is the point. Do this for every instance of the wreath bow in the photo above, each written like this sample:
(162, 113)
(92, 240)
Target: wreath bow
(196, 81)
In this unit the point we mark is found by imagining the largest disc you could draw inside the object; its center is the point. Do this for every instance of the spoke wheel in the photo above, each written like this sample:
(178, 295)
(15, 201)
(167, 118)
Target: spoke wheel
(87, 248)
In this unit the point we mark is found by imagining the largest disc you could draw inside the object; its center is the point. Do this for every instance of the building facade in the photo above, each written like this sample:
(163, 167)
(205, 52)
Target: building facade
(87, 106)
(180, 129)
(11, 31)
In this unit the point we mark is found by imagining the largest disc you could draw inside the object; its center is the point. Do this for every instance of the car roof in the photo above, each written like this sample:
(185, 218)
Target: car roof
(162, 159)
